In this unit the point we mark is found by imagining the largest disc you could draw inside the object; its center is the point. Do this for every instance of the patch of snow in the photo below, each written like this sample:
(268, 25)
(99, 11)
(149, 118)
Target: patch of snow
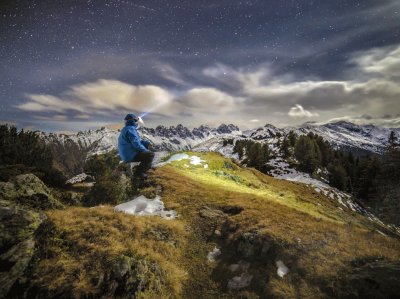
(79, 178)
(214, 254)
(194, 160)
(143, 206)
(285, 172)
(177, 157)
(240, 282)
(282, 269)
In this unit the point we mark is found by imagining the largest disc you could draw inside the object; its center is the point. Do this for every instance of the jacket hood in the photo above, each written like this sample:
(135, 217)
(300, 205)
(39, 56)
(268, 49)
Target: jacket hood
(131, 122)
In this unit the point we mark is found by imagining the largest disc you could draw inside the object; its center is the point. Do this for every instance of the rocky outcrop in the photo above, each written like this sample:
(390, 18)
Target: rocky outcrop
(30, 191)
(17, 228)
(370, 280)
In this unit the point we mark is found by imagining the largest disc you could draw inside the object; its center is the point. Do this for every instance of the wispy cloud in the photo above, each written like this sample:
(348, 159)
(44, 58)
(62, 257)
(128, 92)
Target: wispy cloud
(299, 112)
(232, 94)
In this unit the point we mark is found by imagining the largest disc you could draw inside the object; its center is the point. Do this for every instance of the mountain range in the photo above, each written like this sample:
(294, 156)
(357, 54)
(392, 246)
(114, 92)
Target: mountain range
(72, 150)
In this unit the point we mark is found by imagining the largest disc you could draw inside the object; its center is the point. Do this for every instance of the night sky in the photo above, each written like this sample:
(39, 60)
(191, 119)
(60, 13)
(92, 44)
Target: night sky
(73, 65)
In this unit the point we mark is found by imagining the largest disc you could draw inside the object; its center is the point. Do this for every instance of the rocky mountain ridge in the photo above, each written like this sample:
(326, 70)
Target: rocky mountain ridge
(342, 134)
(72, 150)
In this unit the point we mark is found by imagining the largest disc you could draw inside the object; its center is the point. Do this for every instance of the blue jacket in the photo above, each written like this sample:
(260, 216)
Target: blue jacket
(129, 142)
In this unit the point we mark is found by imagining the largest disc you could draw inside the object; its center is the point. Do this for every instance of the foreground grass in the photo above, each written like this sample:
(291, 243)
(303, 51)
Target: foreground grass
(167, 259)
(81, 245)
(318, 240)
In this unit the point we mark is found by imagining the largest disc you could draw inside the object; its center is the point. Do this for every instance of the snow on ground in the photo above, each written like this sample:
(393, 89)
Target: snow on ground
(215, 144)
(282, 269)
(194, 160)
(82, 177)
(285, 172)
(214, 254)
(143, 206)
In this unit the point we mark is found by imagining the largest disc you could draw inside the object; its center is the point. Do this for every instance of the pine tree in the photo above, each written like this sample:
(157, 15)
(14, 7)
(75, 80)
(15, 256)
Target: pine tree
(292, 138)
(337, 175)
(392, 141)
(307, 153)
(238, 148)
(285, 147)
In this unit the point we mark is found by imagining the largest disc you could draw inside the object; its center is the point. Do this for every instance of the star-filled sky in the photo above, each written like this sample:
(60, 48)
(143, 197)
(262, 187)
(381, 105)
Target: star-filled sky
(71, 65)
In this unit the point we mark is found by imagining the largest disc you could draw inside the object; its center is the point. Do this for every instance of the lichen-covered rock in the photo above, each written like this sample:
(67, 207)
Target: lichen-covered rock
(17, 228)
(370, 280)
(211, 220)
(28, 190)
(253, 244)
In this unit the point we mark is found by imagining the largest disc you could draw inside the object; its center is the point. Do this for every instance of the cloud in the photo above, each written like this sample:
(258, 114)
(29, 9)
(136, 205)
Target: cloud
(228, 94)
(383, 61)
(372, 88)
(101, 97)
(393, 122)
(169, 73)
(45, 103)
(57, 117)
(209, 100)
(300, 112)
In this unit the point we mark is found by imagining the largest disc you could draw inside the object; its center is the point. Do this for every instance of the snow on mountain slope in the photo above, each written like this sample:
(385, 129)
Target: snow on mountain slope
(163, 138)
(347, 135)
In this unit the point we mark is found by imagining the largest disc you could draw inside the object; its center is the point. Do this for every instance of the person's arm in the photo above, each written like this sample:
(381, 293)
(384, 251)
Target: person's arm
(145, 143)
(134, 139)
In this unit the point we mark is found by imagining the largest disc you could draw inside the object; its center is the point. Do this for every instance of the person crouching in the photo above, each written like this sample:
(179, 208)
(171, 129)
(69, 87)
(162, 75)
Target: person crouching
(132, 149)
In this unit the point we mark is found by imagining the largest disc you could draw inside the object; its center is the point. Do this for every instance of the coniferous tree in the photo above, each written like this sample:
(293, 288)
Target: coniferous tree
(285, 147)
(337, 175)
(307, 153)
(292, 138)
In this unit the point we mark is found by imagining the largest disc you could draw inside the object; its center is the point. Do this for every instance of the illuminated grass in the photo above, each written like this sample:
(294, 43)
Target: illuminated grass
(225, 175)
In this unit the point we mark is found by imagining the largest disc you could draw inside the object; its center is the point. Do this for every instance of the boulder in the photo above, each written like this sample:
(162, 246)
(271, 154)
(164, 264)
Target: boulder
(253, 244)
(211, 220)
(28, 190)
(17, 228)
(372, 279)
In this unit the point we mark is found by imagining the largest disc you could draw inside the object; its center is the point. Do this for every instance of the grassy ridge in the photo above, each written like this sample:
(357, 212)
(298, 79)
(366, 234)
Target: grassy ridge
(167, 259)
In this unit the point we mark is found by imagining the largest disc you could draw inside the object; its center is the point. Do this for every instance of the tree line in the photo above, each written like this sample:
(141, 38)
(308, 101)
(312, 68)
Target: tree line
(367, 177)
(23, 151)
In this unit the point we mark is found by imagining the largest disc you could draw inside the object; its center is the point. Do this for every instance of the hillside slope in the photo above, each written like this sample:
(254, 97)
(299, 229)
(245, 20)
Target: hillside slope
(239, 234)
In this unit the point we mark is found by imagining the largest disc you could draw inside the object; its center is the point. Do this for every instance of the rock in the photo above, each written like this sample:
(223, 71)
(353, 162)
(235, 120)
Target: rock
(212, 220)
(214, 254)
(372, 279)
(28, 190)
(17, 228)
(282, 270)
(217, 233)
(242, 266)
(240, 282)
(253, 244)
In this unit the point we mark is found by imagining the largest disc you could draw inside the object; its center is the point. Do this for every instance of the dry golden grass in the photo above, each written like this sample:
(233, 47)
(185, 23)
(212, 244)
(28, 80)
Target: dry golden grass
(321, 239)
(317, 239)
(87, 242)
